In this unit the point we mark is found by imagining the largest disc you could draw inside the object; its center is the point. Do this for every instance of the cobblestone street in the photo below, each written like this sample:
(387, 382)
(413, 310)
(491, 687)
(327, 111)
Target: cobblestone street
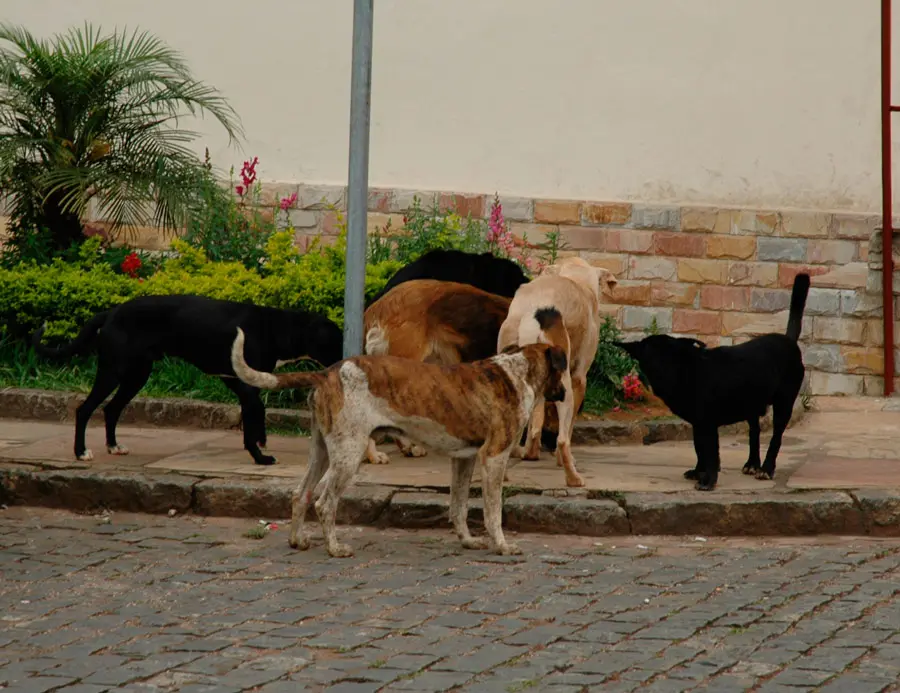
(149, 603)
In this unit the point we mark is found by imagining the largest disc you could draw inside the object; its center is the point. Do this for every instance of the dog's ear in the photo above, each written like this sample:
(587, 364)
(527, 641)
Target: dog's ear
(556, 359)
(606, 280)
(510, 348)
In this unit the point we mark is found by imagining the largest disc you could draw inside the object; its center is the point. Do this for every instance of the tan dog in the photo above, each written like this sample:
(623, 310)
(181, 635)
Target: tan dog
(469, 411)
(435, 322)
(573, 288)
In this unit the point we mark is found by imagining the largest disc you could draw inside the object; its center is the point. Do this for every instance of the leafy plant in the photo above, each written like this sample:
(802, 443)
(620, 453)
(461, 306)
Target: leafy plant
(87, 118)
(611, 366)
(227, 229)
(424, 230)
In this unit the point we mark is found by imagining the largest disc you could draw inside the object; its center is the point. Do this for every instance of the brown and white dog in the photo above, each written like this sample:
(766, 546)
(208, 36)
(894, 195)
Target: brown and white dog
(572, 287)
(432, 321)
(471, 411)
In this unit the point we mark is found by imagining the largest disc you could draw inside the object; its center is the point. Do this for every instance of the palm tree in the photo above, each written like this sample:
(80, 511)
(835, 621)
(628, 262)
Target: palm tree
(89, 117)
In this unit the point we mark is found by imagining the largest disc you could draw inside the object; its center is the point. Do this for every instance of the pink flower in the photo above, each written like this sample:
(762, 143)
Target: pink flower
(288, 202)
(239, 189)
(248, 173)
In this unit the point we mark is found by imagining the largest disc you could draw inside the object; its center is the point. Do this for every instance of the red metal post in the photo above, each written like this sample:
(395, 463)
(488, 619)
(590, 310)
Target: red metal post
(887, 190)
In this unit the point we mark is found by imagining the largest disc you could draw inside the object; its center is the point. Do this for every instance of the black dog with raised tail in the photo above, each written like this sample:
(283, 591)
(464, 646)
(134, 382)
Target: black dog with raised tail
(709, 388)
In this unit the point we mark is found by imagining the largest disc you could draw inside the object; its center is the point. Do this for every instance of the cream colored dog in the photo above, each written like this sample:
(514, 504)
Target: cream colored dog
(573, 287)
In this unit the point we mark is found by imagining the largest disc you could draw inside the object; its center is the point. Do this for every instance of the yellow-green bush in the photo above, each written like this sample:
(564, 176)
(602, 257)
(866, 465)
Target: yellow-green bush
(66, 295)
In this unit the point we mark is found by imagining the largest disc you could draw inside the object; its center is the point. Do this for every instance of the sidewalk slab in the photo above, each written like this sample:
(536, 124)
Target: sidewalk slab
(838, 473)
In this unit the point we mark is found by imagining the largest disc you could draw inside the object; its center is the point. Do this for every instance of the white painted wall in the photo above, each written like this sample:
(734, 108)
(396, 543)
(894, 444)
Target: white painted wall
(770, 103)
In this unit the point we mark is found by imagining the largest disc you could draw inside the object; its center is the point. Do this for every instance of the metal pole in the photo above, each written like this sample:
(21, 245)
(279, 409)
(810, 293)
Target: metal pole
(887, 190)
(358, 178)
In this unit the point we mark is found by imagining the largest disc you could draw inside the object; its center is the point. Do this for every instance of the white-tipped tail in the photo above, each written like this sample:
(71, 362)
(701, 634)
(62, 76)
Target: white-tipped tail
(377, 343)
(243, 371)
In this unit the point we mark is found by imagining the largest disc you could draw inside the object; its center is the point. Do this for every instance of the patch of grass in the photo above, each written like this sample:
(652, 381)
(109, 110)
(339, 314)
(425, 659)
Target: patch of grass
(257, 532)
(737, 631)
(521, 685)
(20, 366)
(378, 664)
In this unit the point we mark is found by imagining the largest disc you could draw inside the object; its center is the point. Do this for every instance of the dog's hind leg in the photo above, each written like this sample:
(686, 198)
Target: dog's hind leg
(105, 382)
(345, 454)
(459, 501)
(493, 469)
(131, 383)
(564, 457)
(253, 413)
(781, 416)
(753, 463)
(304, 494)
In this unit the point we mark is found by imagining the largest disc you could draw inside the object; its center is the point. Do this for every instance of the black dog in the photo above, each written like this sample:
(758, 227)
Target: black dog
(709, 388)
(131, 336)
(495, 275)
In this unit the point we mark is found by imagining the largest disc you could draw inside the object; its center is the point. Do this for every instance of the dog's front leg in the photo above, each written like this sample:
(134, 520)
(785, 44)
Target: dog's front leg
(493, 469)
(459, 501)
(706, 442)
(533, 449)
(694, 474)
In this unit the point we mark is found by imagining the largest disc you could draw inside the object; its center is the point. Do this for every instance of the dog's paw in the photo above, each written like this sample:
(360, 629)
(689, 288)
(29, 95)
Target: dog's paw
(474, 543)
(86, 456)
(575, 481)
(338, 550)
(265, 460)
(750, 469)
(380, 458)
(763, 475)
(302, 542)
(117, 450)
(705, 486)
(414, 450)
(517, 452)
(692, 475)
(509, 549)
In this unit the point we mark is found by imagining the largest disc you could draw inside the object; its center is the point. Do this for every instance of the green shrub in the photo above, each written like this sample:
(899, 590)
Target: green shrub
(66, 295)
(611, 364)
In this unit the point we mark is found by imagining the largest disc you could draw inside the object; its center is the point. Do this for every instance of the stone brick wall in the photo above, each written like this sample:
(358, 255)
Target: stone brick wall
(720, 275)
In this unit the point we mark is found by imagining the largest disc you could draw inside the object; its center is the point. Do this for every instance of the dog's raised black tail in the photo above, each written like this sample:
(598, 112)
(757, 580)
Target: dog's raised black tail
(84, 339)
(798, 303)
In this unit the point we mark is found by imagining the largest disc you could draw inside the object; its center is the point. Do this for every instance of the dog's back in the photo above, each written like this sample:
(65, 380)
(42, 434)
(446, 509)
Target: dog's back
(484, 271)
(436, 321)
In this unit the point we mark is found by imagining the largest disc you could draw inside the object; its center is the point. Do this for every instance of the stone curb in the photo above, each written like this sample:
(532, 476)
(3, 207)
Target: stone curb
(47, 405)
(874, 512)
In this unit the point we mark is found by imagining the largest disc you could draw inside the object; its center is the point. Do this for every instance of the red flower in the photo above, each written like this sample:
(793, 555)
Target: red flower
(288, 202)
(239, 189)
(131, 264)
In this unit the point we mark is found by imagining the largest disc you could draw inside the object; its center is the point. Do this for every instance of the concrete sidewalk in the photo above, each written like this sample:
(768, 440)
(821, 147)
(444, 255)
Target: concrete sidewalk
(844, 452)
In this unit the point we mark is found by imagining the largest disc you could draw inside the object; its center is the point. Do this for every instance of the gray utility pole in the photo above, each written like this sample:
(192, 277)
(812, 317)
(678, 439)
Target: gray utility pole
(358, 188)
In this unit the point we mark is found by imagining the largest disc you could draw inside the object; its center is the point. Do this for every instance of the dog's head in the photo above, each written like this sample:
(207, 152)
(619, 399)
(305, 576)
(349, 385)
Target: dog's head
(659, 354)
(598, 280)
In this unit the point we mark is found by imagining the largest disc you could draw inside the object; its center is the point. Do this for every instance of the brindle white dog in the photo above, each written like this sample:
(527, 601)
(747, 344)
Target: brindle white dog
(468, 411)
